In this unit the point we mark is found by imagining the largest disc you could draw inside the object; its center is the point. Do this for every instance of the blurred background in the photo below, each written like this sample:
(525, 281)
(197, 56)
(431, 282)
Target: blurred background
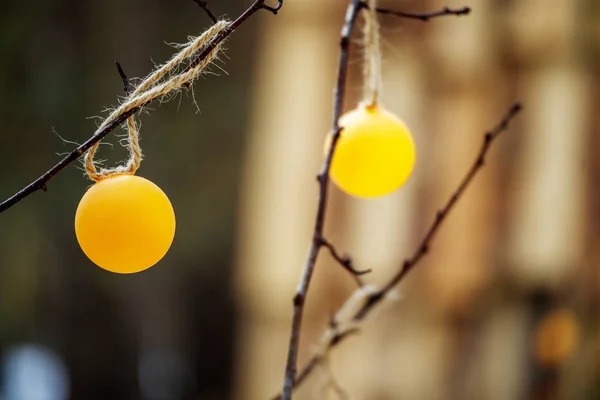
(506, 306)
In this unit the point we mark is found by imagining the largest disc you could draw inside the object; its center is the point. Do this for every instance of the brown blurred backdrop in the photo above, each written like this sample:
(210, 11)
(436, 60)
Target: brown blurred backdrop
(506, 305)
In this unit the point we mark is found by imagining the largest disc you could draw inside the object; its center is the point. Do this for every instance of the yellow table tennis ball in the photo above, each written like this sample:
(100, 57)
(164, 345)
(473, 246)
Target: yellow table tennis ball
(375, 153)
(125, 224)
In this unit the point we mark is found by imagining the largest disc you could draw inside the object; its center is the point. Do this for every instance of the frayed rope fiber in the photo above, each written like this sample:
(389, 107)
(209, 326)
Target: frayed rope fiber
(372, 63)
(151, 88)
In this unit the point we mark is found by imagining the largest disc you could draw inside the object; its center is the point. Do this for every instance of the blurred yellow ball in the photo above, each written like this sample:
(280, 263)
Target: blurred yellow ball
(125, 224)
(556, 337)
(375, 153)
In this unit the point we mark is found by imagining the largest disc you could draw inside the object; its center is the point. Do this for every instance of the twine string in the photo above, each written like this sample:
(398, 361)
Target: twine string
(150, 89)
(372, 63)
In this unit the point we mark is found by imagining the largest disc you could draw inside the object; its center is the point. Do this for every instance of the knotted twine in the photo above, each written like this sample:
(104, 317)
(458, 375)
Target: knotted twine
(150, 89)
(372, 63)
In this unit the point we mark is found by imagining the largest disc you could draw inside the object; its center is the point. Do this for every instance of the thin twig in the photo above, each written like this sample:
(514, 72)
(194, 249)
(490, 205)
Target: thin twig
(318, 358)
(41, 182)
(422, 16)
(257, 5)
(204, 6)
(344, 261)
(126, 85)
(275, 9)
(315, 361)
(421, 251)
(323, 178)
(441, 215)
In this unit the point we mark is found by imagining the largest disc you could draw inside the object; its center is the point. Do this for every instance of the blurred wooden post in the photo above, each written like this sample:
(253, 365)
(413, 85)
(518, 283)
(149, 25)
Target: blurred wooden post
(583, 378)
(547, 224)
(470, 98)
(546, 240)
(291, 116)
(450, 92)
(469, 101)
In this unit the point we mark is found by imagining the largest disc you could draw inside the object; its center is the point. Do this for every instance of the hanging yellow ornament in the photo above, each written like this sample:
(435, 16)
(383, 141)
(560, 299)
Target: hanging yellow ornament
(125, 224)
(375, 153)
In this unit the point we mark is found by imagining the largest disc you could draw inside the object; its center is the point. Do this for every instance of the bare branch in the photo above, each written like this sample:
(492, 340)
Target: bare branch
(344, 261)
(257, 5)
(126, 85)
(204, 6)
(275, 9)
(323, 179)
(337, 337)
(442, 214)
(304, 373)
(41, 182)
(422, 16)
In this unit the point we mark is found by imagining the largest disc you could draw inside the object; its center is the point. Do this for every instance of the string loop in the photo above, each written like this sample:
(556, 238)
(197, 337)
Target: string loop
(150, 89)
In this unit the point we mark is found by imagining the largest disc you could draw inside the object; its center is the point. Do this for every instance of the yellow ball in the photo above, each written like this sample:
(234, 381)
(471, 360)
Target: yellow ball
(556, 337)
(375, 153)
(125, 224)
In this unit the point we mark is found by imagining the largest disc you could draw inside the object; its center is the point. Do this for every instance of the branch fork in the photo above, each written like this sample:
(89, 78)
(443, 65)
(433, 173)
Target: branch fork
(334, 335)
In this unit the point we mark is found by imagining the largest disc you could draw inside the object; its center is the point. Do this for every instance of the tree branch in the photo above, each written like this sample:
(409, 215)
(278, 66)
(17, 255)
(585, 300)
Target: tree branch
(332, 332)
(41, 182)
(275, 9)
(204, 6)
(344, 261)
(441, 215)
(323, 179)
(126, 85)
(422, 16)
